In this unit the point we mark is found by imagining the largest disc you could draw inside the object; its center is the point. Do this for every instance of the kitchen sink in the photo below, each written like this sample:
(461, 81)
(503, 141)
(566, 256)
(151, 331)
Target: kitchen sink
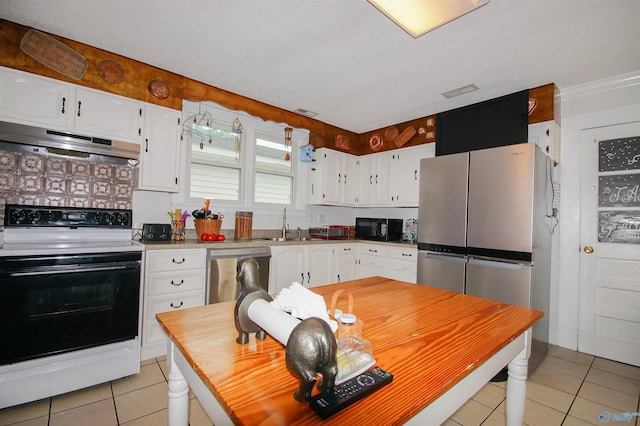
(288, 239)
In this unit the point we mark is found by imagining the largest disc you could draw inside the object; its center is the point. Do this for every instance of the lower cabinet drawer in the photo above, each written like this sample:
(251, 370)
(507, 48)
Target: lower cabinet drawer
(158, 304)
(174, 282)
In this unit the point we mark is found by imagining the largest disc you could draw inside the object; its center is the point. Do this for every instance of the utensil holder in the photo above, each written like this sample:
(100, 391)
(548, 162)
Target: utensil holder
(207, 226)
(177, 230)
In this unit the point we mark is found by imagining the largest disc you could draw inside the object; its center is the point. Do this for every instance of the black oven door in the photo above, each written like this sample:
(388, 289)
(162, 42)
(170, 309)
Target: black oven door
(57, 304)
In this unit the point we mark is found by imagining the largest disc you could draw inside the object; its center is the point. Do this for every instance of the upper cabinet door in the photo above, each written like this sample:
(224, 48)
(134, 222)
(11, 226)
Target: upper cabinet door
(106, 115)
(160, 150)
(30, 99)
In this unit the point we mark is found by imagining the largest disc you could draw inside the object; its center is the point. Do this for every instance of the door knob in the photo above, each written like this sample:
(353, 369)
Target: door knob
(588, 249)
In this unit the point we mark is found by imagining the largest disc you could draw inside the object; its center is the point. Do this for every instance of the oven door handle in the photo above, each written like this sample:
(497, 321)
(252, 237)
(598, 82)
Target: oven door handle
(75, 270)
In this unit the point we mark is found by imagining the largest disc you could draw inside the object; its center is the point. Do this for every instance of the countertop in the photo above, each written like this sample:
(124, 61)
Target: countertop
(429, 339)
(261, 242)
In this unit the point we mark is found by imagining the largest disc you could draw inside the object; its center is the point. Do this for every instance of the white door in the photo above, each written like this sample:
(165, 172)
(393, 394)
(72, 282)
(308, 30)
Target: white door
(609, 311)
(318, 265)
(160, 150)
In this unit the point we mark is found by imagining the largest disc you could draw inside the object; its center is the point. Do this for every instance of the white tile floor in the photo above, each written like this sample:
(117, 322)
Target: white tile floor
(565, 388)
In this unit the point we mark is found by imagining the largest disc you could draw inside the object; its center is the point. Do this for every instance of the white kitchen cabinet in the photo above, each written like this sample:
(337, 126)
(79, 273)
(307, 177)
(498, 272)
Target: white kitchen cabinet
(31, 99)
(45, 102)
(286, 266)
(364, 181)
(404, 166)
(160, 149)
(384, 179)
(310, 265)
(106, 115)
(403, 263)
(332, 178)
(349, 191)
(344, 262)
(319, 265)
(374, 179)
(173, 279)
(386, 260)
(547, 136)
(372, 260)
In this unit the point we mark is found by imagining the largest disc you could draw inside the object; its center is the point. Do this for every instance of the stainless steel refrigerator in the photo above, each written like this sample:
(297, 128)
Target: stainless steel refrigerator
(482, 227)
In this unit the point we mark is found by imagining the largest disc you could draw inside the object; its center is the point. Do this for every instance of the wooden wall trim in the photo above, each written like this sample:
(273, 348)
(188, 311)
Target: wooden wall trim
(545, 109)
(138, 75)
(137, 78)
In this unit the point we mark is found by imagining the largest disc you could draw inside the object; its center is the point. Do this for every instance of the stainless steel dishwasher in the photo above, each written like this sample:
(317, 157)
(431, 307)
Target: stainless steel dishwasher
(222, 285)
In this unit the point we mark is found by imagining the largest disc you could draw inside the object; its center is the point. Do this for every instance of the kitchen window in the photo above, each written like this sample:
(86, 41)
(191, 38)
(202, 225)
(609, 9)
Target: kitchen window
(274, 170)
(216, 165)
(254, 168)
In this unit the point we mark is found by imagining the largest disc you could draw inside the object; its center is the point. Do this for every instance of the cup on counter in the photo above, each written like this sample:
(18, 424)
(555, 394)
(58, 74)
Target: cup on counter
(177, 230)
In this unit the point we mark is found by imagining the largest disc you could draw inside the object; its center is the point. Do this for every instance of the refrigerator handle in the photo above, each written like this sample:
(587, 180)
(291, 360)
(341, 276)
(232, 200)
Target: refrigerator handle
(503, 263)
(459, 258)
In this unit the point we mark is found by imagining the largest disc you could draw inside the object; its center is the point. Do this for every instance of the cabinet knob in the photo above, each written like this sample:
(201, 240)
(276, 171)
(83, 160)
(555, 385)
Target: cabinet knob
(177, 284)
(64, 102)
(79, 105)
(177, 306)
(178, 261)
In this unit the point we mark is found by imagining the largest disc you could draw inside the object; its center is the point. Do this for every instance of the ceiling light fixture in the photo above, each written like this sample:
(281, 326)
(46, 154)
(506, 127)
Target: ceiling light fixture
(460, 91)
(418, 17)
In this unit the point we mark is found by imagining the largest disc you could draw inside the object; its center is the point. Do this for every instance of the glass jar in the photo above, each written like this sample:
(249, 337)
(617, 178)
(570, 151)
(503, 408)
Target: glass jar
(349, 325)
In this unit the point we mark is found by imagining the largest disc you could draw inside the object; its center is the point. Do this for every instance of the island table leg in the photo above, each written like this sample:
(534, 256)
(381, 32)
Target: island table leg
(517, 389)
(178, 405)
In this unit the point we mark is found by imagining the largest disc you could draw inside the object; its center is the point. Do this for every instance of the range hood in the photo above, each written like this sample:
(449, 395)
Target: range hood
(37, 140)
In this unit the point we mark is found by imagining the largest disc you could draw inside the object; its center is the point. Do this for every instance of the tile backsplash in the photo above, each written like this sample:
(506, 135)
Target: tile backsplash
(64, 182)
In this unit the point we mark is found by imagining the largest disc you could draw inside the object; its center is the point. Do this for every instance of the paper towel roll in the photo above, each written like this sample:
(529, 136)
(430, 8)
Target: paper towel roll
(278, 324)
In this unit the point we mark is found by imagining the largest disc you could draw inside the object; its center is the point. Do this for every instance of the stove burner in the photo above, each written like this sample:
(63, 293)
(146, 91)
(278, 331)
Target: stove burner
(45, 216)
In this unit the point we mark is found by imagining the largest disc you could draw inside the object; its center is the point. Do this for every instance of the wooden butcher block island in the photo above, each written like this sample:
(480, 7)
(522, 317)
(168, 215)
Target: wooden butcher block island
(441, 348)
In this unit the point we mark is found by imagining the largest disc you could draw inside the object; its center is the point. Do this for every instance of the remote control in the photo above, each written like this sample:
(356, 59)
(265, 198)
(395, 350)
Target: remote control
(346, 393)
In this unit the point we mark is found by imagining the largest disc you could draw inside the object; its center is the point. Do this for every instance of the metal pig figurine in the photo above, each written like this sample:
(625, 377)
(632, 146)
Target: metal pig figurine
(250, 291)
(312, 349)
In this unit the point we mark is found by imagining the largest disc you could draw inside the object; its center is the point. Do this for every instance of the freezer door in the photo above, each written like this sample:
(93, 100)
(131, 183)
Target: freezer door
(501, 198)
(442, 212)
(500, 281)
(443, 272)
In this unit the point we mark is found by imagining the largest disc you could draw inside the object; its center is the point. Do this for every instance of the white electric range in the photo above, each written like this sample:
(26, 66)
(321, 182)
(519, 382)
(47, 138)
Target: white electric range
(74, 276)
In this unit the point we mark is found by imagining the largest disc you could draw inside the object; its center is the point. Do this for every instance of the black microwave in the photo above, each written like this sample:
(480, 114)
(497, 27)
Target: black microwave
(378, 229)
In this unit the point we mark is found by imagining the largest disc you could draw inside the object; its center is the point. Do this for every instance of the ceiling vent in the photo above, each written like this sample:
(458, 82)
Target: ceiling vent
(460, 91)
(305, 112)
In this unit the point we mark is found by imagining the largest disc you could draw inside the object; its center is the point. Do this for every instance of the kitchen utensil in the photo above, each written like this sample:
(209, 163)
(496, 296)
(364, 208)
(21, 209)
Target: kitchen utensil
(111, 71)
(54, 54)
(391, 133)
(158, 88)
(404, 137)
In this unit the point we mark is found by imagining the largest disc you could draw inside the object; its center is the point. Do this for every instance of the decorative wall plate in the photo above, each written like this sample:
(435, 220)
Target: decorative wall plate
(375, 142)
(159, 88)
(110, 71)
(343, 142)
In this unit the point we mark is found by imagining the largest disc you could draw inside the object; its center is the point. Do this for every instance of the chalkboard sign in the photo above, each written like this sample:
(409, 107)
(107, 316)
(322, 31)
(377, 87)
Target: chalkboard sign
(619, 154)
(621, 190)
(619, 227)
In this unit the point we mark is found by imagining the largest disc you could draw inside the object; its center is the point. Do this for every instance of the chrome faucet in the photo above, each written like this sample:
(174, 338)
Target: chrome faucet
(284, 223)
